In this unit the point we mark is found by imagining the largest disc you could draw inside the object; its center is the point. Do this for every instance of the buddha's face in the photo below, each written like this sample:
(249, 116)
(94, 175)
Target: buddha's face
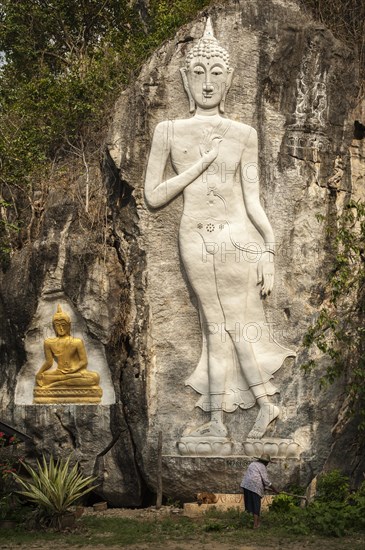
(61, 327)
(208, 81)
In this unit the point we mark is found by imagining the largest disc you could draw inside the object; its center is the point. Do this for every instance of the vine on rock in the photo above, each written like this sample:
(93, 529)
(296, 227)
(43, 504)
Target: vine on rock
(339, 329)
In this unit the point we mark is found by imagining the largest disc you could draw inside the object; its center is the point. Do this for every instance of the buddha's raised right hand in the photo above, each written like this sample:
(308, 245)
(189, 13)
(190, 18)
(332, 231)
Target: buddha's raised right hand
(209, 148)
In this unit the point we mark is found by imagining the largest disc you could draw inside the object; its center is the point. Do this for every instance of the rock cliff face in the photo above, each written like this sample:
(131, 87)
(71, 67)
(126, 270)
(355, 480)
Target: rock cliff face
(128, 294)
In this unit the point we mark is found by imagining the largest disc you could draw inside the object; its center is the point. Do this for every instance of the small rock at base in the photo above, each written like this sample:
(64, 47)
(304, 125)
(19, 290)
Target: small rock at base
(100, 506)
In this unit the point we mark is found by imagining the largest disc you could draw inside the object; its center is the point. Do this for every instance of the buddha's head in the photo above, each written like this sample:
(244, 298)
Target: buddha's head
(207, 75)
(61, 322)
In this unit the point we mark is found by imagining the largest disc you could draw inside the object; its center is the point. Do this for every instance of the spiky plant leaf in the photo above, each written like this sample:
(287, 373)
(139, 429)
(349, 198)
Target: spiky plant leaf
(54, 486)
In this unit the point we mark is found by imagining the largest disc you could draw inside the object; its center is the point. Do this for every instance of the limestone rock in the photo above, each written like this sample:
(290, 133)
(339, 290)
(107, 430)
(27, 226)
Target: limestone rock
(290, 79)
(296, 85)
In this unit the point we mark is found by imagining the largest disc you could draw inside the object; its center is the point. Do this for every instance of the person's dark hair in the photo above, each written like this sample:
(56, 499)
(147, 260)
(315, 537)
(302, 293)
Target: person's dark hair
(265, 459)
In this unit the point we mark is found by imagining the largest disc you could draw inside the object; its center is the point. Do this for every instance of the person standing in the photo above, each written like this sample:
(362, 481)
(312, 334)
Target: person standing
(254, 483)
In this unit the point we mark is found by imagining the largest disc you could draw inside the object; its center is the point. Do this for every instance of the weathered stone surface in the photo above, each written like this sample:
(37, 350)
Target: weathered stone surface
(296, 85)
(290, 79)
(94, 435)
(89, 281)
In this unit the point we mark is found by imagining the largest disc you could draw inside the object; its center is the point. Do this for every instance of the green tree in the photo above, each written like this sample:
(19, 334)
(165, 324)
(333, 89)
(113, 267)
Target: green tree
(65, 64)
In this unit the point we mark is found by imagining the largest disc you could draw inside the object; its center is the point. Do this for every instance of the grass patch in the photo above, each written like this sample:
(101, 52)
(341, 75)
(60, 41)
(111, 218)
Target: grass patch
(113, 531)
(228, 527)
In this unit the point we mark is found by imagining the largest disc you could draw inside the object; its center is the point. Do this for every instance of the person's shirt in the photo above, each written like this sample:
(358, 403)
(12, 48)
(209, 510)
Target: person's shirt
(256, 478)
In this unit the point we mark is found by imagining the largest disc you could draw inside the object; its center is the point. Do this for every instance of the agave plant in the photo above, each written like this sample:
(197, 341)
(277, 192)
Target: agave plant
(54, 487)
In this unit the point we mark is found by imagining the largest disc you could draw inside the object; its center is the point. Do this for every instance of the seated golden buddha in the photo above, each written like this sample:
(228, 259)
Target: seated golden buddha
(70, 381)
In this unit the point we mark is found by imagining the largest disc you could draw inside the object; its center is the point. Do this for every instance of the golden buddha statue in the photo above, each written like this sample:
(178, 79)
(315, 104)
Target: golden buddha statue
(70, 382)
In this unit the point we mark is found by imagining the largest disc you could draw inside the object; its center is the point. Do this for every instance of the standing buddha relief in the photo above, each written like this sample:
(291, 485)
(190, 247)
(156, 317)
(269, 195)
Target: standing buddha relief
(216, 164)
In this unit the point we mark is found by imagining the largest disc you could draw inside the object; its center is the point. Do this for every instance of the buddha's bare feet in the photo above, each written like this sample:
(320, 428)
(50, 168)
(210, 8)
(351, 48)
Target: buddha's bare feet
(214, 428)
(267, 413)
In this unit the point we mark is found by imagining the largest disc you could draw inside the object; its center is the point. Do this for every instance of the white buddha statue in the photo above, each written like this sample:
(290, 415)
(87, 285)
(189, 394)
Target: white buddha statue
(226, 243)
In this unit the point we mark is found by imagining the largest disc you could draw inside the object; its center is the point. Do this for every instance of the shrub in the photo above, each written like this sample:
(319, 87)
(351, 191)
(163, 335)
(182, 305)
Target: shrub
(53, 488)
(334, 513)
(9, 463)
(332, 487)
(328, 519)
(282, 503)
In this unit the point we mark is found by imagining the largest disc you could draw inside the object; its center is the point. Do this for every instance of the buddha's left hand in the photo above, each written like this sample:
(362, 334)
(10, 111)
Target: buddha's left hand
(39, 379)
(265, 273)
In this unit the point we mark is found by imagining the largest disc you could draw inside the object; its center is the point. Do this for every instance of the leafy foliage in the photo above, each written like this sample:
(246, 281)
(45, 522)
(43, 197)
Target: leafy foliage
(335, 512)
(339, 329)
(64, 63)
(10, 462)
(297, 525)
(283, 503)
(53, 487)
(332, 487)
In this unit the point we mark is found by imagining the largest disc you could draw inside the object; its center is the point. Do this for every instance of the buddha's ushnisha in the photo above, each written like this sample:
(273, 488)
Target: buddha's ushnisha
(207, 51)
(207, 47)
